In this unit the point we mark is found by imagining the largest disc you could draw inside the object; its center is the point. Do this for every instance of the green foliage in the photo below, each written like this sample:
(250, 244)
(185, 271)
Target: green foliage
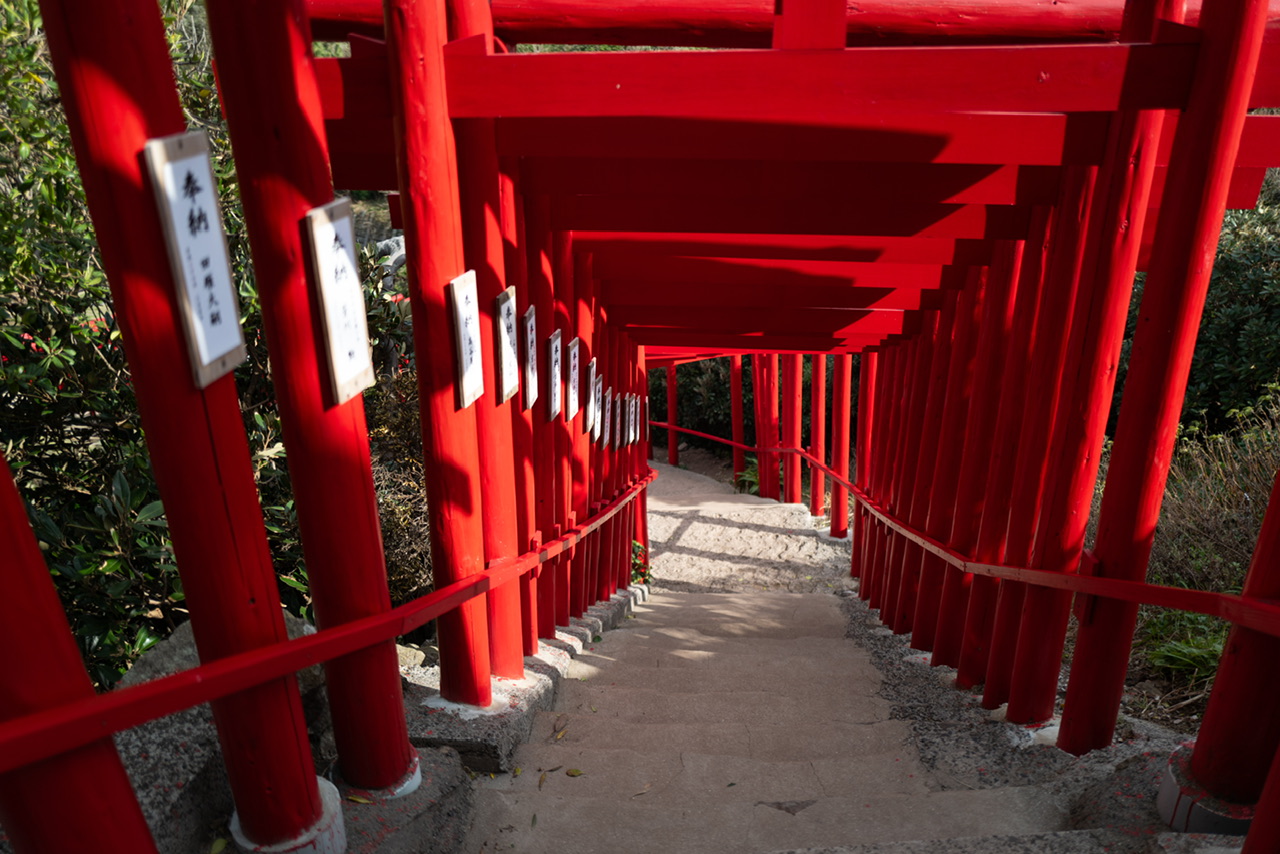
(1238, 348)
(68, 419)
(639, 563)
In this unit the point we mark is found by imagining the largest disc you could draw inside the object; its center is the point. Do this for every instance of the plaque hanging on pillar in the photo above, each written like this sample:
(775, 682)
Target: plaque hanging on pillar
(554, 376)
(589, 425)
(598, 395)
(505, 337)
(343, 317)
(186, 195)
(608, 417)
(466, 331)
(530, 357)
(571, 389)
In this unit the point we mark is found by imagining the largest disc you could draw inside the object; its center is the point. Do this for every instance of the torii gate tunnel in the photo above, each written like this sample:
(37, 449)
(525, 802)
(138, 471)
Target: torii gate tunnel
(959, 193)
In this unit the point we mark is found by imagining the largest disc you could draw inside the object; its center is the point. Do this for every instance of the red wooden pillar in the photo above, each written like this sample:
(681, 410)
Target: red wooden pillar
(565, 309)
(1203, 157)
(271, 102)
(765, 376)
(601, 462)
(1241, 729)
(113, 60)
(739, 426)
(841, 403)
(792, 414)
(673, 438)
(433, 236)
(481, 204)
(901, 392)
(1113, 241)
(888, 404)
(976, 454)
(818, 433)
(994, 524)
(1264, 832)
(47, 674)
(924, 436)
(516, 263)
(936, 488)
(582, 594)
(542, 301)
(1053, 325)
(868, 364)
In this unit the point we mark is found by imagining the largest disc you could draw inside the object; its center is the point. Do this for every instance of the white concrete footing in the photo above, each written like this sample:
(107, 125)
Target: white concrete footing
(1188, 807)
(326, 836)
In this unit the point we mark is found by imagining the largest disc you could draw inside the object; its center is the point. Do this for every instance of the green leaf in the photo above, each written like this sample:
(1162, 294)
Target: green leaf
(151, 511)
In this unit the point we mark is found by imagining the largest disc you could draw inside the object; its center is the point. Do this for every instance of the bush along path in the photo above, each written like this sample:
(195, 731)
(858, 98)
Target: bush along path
(763, 720)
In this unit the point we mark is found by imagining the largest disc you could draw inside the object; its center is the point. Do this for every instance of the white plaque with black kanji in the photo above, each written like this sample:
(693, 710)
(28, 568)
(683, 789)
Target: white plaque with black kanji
(186, 194)
(466, 330)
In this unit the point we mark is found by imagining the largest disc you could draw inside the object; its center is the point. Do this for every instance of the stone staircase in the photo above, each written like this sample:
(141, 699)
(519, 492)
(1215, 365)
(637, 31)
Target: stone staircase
(732, 723)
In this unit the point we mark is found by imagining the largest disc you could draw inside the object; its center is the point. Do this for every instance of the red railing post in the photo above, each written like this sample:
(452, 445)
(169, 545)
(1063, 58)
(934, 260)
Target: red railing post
(673, 438)
(879, 476)
(542, 302)
(48, 674)
(1203, 157)
(1264, 832)
(868, 365)
(113, 60)
(792, 415)
(739, 425)
(429, 203)
(910, 365)
(565, 309)
(924, 436)
(1053, 325)
(1114, 236)
(994, 524)
(582, 594)
(936, 485)
(818, 433)
(971, 494)
(516, 263)
(841, 403)
(479, 188)
(271, 102)
(1240, 732)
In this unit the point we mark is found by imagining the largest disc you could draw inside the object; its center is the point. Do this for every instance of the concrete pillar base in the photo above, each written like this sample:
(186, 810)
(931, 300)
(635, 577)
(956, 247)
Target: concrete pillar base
(1188, 807)
(326, 836)
(407, 786)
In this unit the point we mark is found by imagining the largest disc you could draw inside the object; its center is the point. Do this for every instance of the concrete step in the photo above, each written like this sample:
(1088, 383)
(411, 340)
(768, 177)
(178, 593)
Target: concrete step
(649, 777)
(766, 740)
(653, 705)
(545, 821)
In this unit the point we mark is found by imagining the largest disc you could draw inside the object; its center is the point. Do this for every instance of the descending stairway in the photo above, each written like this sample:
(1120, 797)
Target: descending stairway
(773, 714)
(730, 722)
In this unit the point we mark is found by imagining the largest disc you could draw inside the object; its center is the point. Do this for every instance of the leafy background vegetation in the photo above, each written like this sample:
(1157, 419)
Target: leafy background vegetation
(69, 431)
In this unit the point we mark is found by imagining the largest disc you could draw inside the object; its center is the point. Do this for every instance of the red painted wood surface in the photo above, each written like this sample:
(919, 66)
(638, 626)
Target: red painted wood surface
(811, 87)
(433, 239)
(116, 86)
(48, 674)
(737, 416)
(791, 374)
(273, 114)
(841, 388)
(1160, 362)
(34, 738)
(818, 432)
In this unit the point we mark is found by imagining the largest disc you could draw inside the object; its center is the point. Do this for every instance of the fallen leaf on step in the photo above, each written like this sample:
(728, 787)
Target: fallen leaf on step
(555, 769)
(517, 772)
(593, 708)
(219, 845)
(573, 772)
(534, 823)
(542, 780)
(731, 785)
(562, 721)
(643, 791)
(358, 800)
(560, 735)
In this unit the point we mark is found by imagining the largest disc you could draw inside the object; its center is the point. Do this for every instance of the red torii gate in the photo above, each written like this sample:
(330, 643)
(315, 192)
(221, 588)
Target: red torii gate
(1001, 183)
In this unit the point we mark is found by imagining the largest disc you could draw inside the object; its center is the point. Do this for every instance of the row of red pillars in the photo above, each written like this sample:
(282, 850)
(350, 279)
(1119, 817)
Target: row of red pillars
(778, 418)
(501, 477)
(1003, 469)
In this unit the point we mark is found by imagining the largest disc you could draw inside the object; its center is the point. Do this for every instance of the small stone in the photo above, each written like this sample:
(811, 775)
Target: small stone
(410, 656)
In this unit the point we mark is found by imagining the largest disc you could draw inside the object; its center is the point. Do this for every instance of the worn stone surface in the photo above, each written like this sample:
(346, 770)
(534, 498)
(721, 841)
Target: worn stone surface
(435, 818)
(487, 739)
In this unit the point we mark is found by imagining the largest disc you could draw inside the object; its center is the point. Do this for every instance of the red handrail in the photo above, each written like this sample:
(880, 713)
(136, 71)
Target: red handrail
(35, 737)
(1262, 615)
